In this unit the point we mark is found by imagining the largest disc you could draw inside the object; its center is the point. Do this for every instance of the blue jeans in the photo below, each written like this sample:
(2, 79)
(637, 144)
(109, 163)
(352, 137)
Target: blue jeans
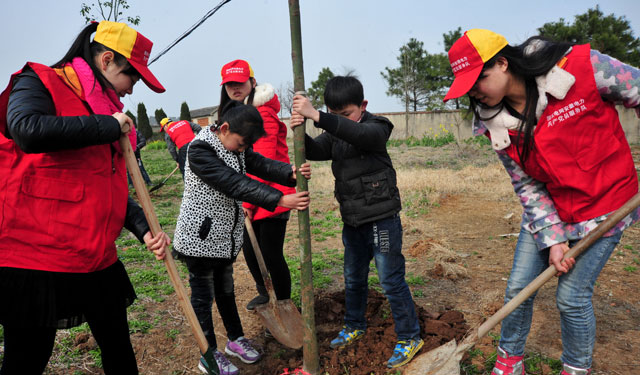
(573, 298)
(382, 241)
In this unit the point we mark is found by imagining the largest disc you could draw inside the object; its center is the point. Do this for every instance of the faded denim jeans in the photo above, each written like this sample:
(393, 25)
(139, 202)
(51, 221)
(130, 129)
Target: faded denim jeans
(380, 240)
(573, 298)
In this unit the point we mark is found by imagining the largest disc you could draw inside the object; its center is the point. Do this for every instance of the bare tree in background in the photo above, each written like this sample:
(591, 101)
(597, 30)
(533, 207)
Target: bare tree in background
(285, 94)
(108, 11)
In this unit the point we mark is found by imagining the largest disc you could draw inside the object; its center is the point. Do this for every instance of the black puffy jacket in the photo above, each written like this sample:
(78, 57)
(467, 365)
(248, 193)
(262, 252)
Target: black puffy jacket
(366, 186)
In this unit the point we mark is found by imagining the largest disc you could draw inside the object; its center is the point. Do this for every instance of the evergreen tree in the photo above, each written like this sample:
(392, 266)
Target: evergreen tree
(608, 34)
(316, 91)
(159, 113)
(143, 122)
(450, 38)
(185, 114)
(421, 80)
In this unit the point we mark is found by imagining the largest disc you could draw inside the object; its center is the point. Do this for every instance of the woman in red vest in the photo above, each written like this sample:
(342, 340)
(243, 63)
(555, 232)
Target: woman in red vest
(239, 83)
(549, 111)
(64, 199)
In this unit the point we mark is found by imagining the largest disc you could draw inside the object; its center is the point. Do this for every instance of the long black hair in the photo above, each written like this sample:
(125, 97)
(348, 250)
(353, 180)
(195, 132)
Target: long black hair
(83, 47)
(243, 119)
(535, 57)
(225, 99)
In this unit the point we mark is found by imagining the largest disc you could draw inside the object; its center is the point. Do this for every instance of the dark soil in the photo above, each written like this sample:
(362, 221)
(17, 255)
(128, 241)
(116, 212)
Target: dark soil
(367, 355)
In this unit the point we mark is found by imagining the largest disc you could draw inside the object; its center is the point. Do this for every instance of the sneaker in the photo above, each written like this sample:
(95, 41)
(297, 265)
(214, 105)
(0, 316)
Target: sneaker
(570, 370)
(508, 364)
(404, 352)
(346, 337)
(224, 365)
(242, 349)
(260, 299)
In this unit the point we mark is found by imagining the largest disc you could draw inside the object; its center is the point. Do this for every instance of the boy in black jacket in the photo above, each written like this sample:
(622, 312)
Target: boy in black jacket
(355, 141)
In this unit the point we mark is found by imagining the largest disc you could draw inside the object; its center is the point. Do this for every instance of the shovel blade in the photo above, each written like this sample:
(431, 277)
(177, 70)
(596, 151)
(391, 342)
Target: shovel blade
(443, 360)
(284, 321)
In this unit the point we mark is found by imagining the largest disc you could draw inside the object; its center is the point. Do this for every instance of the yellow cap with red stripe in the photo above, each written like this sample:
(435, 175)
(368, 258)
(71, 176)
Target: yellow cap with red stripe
(135, 47)
(467, 57)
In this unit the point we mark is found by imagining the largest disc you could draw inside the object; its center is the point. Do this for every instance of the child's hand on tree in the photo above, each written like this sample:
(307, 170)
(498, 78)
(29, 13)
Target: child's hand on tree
(305, 170)
(303, 107)
(299, 201)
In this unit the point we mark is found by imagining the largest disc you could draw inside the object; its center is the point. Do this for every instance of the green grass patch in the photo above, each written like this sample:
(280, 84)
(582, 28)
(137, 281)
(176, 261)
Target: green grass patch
(156, 145)
(436, 140)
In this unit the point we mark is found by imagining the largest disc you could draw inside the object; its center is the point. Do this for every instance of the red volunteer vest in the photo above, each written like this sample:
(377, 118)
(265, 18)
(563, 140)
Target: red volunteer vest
(59, 211)
(581, 152)
(180, 132)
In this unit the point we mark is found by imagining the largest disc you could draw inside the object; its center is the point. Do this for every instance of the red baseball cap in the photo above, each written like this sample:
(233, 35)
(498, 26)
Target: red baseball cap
(467, 57)
(236, 71)
(130, 44)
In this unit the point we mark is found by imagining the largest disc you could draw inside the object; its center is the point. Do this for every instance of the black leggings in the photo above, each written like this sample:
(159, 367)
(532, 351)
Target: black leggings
(212, 279)
(270, 235)
(28, 348)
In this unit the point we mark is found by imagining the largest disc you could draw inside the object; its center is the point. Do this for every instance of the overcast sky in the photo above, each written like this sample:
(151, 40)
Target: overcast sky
(363, 36)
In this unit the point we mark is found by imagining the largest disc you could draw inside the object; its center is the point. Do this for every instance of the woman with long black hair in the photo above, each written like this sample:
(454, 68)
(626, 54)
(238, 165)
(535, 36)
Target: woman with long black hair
(64, 199)
(549, 110)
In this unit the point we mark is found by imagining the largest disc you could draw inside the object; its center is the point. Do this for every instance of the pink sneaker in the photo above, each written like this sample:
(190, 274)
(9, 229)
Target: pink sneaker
(508, 365)
(570, 370)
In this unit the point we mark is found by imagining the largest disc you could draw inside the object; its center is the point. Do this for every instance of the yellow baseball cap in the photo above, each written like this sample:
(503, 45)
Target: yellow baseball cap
(132, 45)
(467, 57)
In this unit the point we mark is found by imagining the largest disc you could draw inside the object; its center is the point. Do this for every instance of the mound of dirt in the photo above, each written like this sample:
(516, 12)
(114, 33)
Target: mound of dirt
(369, 354)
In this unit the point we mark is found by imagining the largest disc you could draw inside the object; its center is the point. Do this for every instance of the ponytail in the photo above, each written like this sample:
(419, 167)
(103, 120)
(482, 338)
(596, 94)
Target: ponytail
(85, 48)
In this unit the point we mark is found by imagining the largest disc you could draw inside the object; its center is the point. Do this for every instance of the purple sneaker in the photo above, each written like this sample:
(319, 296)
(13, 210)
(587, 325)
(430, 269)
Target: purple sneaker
(242, 349)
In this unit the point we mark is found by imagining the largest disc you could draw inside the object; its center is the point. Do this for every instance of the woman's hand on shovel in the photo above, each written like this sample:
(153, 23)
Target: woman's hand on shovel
(556, 258)
(159, 244)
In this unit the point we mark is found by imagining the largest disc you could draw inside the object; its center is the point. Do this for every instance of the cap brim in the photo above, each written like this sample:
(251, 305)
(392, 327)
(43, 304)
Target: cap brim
(234, 78)
(147, 77)
(463, 83)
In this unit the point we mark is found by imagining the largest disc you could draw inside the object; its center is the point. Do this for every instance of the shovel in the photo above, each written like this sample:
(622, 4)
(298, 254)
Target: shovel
(445, 360)
(152, 219)
(281, 317)
(163, 181)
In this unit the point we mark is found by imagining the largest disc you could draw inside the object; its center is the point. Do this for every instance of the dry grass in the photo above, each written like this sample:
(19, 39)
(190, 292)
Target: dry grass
(436, 183)
(422, 185)
(447, 263)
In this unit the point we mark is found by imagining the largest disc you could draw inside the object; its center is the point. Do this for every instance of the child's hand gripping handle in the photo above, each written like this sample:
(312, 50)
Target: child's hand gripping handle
(152, 219)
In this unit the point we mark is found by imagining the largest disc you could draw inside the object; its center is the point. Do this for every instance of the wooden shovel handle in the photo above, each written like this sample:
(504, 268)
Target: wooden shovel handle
(152, 219)
(576, 250)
